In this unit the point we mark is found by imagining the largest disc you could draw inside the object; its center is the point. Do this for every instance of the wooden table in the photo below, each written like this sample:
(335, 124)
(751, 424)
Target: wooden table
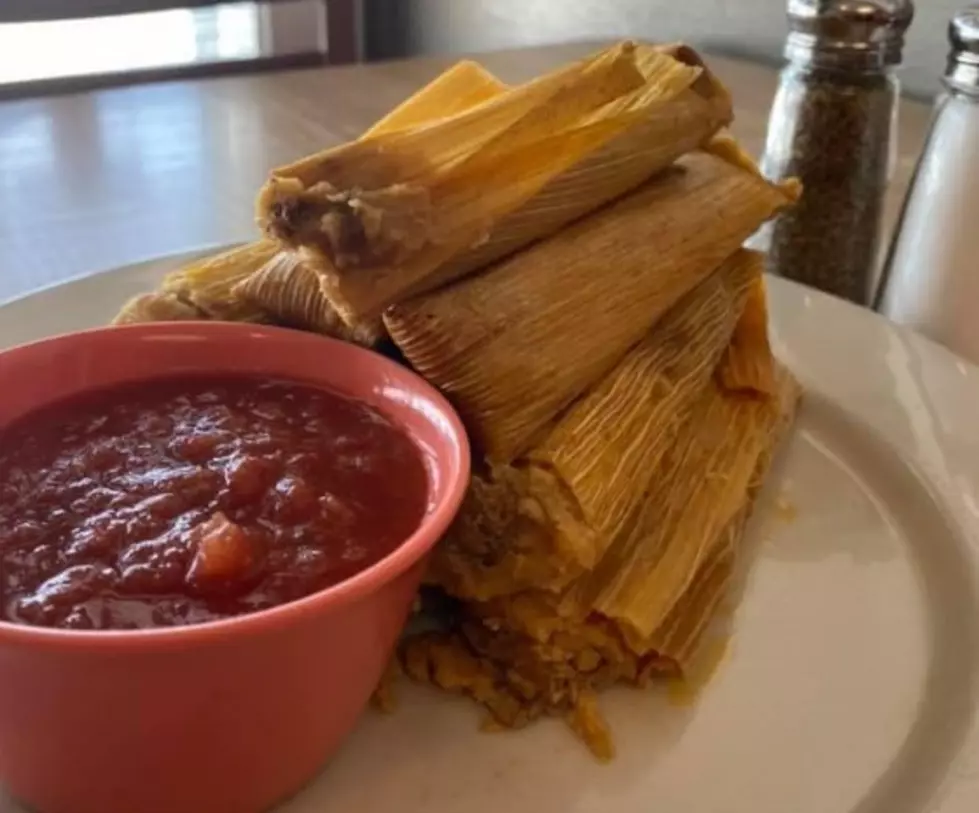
(93, 181)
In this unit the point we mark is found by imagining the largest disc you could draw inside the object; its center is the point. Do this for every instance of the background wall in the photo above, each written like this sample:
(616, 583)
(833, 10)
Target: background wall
(754, 28)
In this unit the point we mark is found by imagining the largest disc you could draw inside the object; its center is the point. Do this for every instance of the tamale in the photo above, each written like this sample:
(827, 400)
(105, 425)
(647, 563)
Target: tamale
(606, 446)
(289, 292)
(562, 646)
(401, 213)
(747, 369)
(702, 484)
(514, 345)
(521, 659)
(620, 166)
(156, 308)
(209, 283)
(524, 656)
(541, 522)
(306, 198)
(563, 624)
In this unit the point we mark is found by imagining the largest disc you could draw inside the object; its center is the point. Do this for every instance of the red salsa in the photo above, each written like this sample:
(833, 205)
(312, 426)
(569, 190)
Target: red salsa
(187, 500)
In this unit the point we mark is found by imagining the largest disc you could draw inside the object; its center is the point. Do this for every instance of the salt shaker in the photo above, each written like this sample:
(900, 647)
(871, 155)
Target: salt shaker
(832, 127)
(931, 277)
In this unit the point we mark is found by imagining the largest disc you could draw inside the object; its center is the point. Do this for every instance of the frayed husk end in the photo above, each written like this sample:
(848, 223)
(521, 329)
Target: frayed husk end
(157, 307)
(208, 284)
(290, 292)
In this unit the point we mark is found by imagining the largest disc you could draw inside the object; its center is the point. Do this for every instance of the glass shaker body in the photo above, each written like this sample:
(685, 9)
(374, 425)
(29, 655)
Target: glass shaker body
(833, 128)
(931, 279)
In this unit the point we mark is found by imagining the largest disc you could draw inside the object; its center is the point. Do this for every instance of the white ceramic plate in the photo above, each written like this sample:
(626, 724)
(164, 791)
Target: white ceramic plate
(851, 684)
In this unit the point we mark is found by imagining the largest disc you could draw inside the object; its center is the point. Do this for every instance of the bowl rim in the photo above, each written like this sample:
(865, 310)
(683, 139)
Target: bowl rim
(362, 584)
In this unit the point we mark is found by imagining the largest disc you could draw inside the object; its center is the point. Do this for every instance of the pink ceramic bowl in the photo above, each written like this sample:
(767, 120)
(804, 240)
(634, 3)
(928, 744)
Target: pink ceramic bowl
(230, 716)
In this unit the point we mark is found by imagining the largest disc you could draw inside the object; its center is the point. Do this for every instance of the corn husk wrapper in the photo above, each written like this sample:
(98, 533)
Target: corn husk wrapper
(155, 307)
(404, 212)
(606, 446)
(623, 164)
(748, 362)
(679, 634)
(543, 521)
(290, 293)
(209, 284)
(679, 637)
(703, 483)
(463, 86)
(513, 346)
(392, 160)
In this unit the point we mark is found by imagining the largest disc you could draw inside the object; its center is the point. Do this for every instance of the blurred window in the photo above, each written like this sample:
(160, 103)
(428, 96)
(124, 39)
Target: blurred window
(173, 38)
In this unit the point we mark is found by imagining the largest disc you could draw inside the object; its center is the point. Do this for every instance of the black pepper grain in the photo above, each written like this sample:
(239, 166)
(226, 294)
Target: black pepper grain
(832, 130)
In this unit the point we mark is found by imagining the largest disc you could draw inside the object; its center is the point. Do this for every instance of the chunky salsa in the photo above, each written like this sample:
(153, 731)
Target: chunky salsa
(187, 500)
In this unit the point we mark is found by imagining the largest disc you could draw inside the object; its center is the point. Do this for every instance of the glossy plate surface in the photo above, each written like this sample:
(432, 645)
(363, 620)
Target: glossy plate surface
(851, 682)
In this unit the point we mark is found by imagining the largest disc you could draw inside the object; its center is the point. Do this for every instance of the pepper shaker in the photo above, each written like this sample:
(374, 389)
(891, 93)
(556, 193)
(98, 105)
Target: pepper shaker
(931, 277)
(832, 127)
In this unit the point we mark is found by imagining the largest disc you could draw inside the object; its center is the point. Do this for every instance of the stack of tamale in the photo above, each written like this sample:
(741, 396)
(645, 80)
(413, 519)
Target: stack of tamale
(563, 259)
(599, 554)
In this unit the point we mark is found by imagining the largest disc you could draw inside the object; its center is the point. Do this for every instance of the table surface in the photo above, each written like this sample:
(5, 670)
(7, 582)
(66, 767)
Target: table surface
(92, 181)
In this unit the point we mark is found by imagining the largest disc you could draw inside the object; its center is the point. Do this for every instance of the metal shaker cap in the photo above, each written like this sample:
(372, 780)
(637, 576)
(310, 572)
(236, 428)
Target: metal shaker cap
(962, 72)
(863, 32)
